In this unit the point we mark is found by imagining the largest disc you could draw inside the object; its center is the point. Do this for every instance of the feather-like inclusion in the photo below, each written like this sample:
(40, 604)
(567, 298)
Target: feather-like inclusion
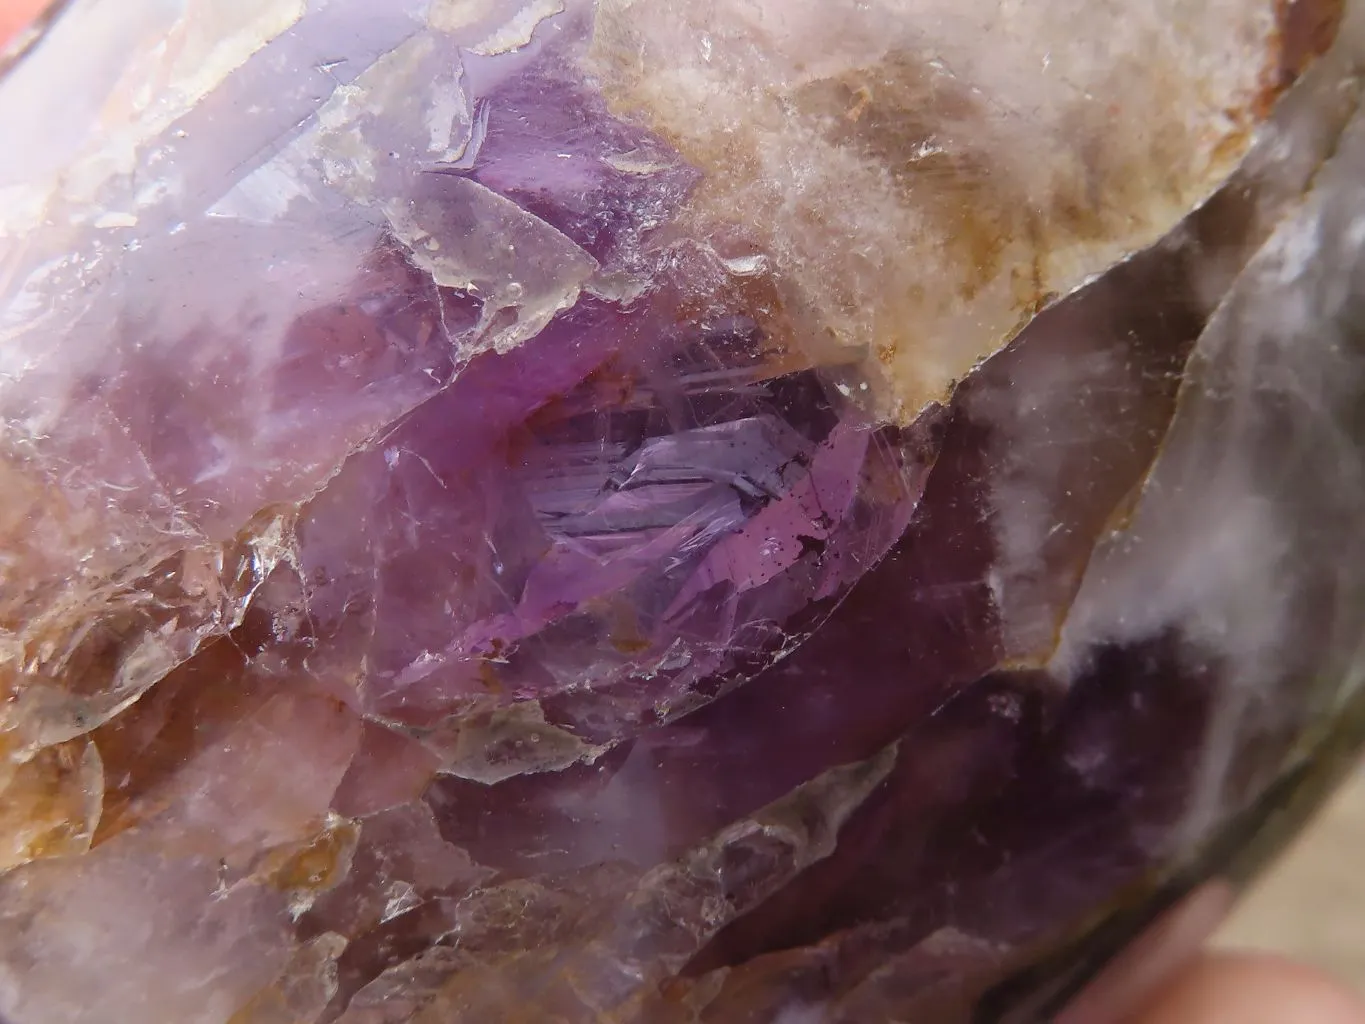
(616, 510)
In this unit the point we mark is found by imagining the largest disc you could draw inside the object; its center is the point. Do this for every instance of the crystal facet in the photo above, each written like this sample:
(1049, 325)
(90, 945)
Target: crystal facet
(615, 510)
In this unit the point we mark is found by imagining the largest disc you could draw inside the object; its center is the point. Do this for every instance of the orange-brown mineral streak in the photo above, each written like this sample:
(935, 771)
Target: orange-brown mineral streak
(1306, 31)
(315, 865)
(193, 707)
(50, 802)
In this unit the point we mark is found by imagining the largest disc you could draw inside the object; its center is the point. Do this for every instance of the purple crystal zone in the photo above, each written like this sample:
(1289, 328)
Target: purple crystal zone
(707, 569)
(993, 780)
(670, 507)
(635, 500)
(1011, 803)
(545, 140)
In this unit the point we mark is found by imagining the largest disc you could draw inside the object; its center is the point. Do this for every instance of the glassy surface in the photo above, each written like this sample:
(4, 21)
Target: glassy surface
(739, 510)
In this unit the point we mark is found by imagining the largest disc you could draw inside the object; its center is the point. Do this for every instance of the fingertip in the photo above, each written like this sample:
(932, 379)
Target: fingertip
(1249, 988)
(15, 14)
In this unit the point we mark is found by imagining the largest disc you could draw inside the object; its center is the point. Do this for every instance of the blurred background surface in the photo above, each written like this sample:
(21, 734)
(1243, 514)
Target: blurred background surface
(1312, 903)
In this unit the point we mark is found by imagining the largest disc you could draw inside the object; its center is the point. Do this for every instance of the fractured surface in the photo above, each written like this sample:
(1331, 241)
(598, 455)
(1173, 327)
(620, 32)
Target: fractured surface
(656, 512)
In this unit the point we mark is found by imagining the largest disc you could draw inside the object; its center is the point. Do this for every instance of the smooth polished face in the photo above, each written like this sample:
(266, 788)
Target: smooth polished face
(627, 511)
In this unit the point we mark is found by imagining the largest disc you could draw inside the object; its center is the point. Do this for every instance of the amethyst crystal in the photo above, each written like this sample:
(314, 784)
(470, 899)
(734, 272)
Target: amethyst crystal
(614, 510)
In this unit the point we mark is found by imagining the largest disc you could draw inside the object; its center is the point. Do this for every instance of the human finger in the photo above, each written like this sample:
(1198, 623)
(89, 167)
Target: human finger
(15, 14)
(1252, 989)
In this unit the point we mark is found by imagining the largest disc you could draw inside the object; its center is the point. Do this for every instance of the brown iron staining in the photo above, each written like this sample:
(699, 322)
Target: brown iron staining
(944, 157)
(50, 802)
(905, 212)
(1306, 29)
(901, 115)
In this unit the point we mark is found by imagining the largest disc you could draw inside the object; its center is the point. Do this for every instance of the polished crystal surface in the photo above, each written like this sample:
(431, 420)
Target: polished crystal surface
(739, 510)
